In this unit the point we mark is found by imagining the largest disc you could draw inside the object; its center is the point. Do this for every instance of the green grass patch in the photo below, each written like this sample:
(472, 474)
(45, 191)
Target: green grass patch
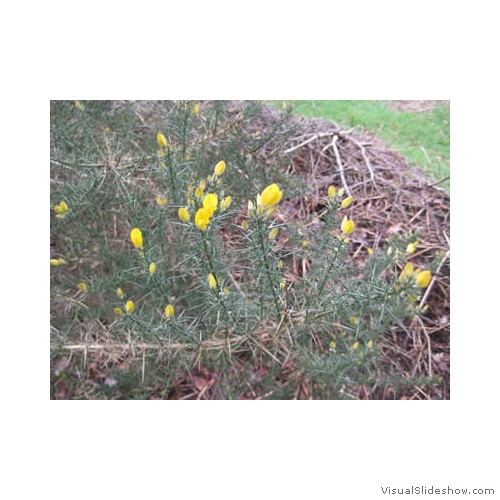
(423, 138)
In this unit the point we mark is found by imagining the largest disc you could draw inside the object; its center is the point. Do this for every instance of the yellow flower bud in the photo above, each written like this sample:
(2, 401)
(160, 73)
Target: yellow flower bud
(152, 268)
(355, 346)
(130, 306)
(161, 200)
(169, 311)
(196, 109)
(119, 292)
(62, 208)
(340, 193)
(347, 226)
(57, 262)
(347, 202)
(203, 183)
(244, 225)
(370, 251)
(280, 263)
(408, 269)
(305, 243)
(225, 291)
(79, 106)
(226, 203)
(423, 279)
(283, 285)
(184, 214)
(271, 195)
(251, 208)
(331, 192)
(370, 344)
(118, 310)
(212, 282)
(136, 237)
(199, 192)
(220, 168)
(162, 140)
(270, 212)
(353, 320)
(82, 286)
(411, 248)
(332, 345)
(273, 233)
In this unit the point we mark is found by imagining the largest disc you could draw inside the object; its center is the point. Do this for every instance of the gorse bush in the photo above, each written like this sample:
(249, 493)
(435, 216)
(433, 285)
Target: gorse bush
(168, 238)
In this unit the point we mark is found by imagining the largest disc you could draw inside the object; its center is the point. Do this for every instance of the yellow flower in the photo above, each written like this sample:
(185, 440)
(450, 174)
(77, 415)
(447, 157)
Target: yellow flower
(331, 192)
(184, 215)
(161, 200)
(332, 345)
(220, 168)
(273, 233)
(57, 262)
(61, 210)
(82, 286)
(347, 202)
(210, 202)
(271, 195)
(226, 203)
(119, 292)
(370, 251)
(196, 109)
(169, 311)
(411, 248)
(118, 310)
(212, 281)
(161, 139)
(347, 226)
(423, 279)
(130, 306)
(283, 285)
(353, 320)
(79, 106)
(136, 237)
(202, 218)
(152, 268)
(355, 346)
(244, 225)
